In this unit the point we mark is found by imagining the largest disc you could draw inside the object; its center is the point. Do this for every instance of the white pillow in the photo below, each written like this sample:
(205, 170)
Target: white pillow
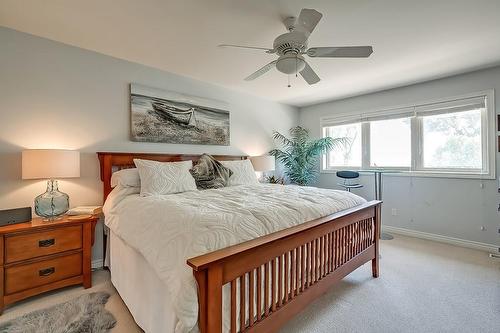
(243, 172)
(159, 178)
(126, 178)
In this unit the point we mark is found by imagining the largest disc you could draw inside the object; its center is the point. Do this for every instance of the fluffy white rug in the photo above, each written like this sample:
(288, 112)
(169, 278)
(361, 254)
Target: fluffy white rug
(84, 314)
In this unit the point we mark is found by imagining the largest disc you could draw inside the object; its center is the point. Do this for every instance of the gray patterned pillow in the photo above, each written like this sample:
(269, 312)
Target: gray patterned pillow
(210, 173)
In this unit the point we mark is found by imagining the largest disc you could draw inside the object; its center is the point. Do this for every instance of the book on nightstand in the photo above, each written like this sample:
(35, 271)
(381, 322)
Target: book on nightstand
(85, 210)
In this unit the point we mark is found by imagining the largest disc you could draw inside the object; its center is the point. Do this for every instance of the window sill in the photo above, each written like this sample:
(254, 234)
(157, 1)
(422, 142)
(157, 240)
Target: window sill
(392, 172)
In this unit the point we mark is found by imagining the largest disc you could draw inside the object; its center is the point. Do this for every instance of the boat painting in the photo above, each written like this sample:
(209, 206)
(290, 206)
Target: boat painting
(170, 117)
(174, 113)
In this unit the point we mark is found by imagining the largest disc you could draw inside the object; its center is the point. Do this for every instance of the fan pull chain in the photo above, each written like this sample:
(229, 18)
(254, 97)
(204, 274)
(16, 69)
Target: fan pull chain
(296, 66)
(289, 85)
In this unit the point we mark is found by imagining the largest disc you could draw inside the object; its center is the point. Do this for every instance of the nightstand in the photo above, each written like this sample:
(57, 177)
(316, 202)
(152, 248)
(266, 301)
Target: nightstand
(40, 256)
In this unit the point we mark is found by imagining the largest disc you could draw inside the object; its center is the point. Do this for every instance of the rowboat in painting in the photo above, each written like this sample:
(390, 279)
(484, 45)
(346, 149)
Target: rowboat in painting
(178, 114)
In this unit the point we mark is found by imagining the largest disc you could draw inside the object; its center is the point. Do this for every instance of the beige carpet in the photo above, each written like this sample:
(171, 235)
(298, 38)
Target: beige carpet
(424, 287)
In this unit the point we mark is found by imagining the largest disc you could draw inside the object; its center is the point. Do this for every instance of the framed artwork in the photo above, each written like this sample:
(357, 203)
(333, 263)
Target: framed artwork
(165, 116)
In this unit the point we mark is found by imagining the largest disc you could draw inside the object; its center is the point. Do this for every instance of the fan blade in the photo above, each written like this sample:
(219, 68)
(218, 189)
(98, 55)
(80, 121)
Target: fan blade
(307, 21)
(309, 75)
(247, 47)
(261, 71)
(340, 52)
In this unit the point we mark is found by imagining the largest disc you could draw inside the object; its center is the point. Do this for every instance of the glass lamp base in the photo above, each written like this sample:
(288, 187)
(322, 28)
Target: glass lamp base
(53, 203)
(52, 219)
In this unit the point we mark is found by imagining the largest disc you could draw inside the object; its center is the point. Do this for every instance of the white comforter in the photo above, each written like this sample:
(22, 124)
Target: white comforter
(169, 229)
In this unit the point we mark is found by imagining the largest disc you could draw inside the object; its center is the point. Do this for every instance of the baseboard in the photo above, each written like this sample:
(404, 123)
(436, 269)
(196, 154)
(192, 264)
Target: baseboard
(443, 239)
(96, 264)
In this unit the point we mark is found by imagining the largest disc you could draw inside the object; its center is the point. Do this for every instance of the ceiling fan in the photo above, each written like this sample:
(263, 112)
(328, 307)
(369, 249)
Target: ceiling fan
(292, 46)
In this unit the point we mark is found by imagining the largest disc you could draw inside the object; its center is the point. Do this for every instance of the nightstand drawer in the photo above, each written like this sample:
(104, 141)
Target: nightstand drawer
(22, 277)
(32, 245)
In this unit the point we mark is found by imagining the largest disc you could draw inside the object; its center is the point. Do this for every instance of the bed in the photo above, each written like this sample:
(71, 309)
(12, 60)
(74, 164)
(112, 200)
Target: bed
(253, 280)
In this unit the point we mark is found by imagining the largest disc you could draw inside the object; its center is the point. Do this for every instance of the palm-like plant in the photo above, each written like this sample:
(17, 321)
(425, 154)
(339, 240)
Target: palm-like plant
(299, 154)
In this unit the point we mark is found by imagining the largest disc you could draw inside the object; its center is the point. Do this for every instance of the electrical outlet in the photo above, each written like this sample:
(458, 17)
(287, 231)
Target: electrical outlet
(394, 212)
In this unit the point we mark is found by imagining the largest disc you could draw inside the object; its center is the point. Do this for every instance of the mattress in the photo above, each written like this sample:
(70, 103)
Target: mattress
(140, 288)
(168, 229)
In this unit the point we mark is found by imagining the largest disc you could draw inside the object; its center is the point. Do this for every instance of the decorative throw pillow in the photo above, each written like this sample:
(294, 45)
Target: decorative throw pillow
(243, 172)
(159, 178)
(210, 173)
(126, 178)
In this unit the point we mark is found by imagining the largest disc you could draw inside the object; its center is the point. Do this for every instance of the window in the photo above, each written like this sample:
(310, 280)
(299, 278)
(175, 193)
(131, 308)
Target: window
(347, 154)
(452, 141)
(390, 143)
(450, 138)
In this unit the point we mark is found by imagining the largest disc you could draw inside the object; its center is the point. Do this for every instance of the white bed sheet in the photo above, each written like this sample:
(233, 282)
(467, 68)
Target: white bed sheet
(140, 288)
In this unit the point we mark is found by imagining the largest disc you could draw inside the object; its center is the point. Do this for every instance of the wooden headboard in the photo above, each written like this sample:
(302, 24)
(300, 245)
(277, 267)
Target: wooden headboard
(111, 162)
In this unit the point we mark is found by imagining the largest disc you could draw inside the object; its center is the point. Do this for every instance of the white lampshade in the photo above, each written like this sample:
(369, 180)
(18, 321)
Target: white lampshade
(50, 163)
(263, 163)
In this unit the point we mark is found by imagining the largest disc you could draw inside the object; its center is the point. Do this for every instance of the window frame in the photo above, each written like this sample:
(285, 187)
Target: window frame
(324, 157)
(488, 138)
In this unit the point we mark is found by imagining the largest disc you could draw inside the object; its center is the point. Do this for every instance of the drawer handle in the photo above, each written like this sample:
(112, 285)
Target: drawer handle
(46, 242)
(47, 271)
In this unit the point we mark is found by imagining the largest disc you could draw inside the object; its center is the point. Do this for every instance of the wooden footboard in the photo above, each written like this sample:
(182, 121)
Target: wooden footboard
(273, 277)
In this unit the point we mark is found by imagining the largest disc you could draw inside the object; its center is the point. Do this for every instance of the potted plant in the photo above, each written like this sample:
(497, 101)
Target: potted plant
(275, 180)
(299, 154)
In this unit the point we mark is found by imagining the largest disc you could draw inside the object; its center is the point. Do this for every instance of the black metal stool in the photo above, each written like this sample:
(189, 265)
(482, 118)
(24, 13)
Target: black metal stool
(347, 176)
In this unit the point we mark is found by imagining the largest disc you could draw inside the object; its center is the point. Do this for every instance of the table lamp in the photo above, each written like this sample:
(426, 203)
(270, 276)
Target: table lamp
(263, 163)
(51, 164)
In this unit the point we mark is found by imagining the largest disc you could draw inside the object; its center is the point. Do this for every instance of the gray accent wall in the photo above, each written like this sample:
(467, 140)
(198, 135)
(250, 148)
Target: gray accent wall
(57, 96)
(457, 208)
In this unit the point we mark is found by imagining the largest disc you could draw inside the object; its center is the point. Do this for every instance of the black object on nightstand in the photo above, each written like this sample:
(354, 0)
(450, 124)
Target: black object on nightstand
(14, 216)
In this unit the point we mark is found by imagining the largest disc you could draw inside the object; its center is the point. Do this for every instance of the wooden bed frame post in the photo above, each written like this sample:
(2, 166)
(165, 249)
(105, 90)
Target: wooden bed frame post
(105, 160)
(377, 225)
(210, 298)
(214, 299)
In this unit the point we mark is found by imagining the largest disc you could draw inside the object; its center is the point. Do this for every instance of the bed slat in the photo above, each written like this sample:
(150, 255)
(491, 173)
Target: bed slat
(266, 288)
(233, 306)
(242, 302)
(259, 293)
(251, 304)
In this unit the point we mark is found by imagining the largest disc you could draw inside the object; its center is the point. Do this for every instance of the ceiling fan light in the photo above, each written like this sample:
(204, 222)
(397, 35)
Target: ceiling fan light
(290, 64)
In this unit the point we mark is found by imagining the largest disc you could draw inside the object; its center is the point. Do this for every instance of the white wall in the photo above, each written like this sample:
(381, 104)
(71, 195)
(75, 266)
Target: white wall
(450, 207)
(57, 96)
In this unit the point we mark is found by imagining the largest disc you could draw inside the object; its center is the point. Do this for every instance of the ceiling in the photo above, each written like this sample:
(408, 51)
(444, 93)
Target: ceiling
(413, 41)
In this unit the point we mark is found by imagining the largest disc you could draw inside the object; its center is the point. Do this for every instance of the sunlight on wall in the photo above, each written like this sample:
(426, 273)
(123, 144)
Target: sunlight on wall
(255, 150)
(55, 139)
(40, 130)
